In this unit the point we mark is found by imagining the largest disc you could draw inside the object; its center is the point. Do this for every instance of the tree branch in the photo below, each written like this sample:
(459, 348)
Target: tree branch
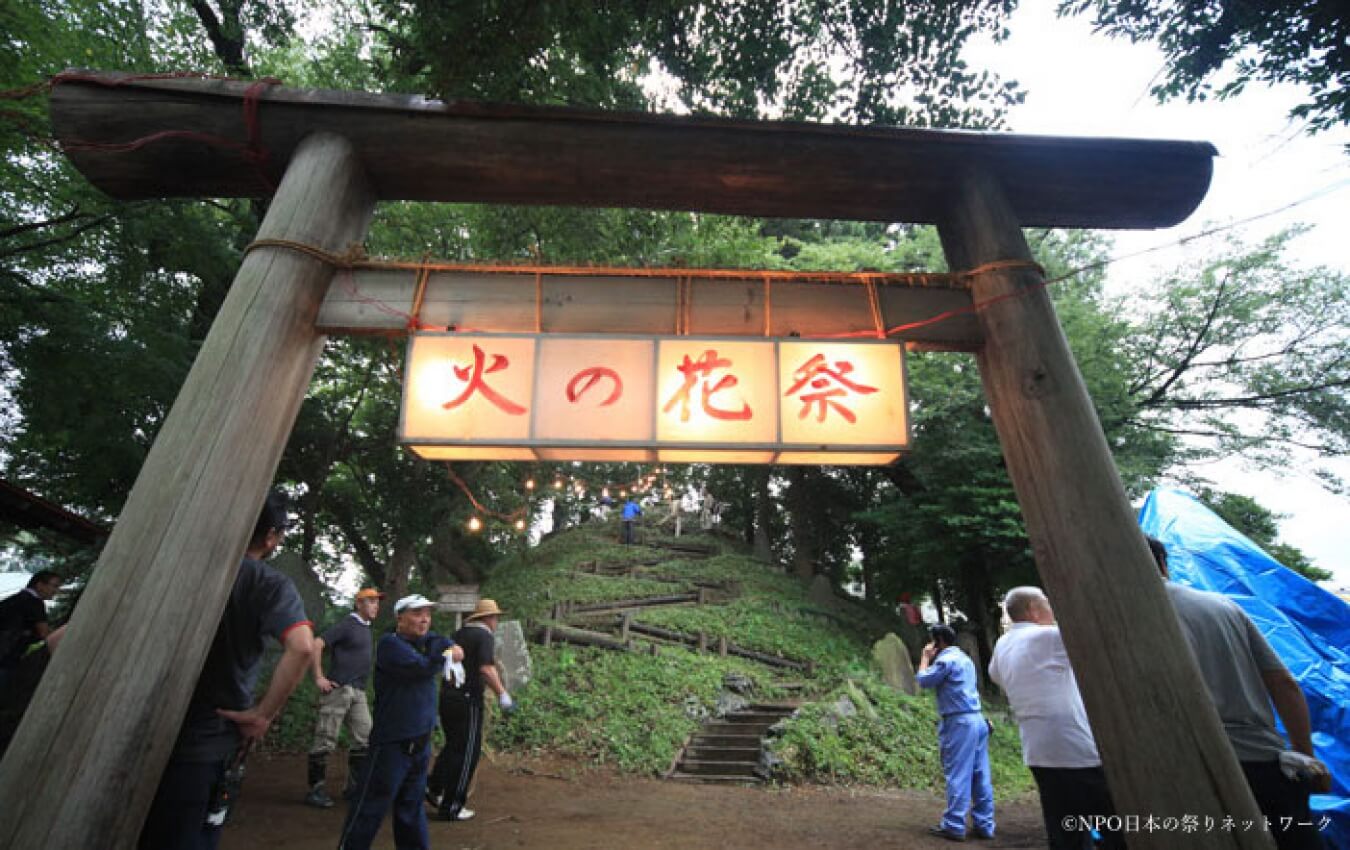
(73, 215)
(56, 240)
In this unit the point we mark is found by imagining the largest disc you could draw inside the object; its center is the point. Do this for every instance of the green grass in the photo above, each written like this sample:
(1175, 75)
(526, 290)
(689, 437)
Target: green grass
(621, 709)
(633, 711)
(891, 741)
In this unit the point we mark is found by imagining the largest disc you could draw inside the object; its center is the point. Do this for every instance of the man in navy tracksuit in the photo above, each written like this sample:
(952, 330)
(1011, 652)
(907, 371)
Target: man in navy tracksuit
(407, 665)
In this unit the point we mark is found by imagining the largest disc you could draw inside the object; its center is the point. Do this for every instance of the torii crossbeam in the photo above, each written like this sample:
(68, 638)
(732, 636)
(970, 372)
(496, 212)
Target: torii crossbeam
(83, 769)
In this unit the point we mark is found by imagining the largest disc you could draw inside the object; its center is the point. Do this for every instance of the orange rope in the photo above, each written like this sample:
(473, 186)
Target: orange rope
(518, 513)
(538, 303)
(768, 306)
(875, 304)
(415, 321)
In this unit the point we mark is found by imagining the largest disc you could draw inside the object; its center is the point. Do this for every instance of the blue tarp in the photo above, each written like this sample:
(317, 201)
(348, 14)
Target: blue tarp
(1307, 627)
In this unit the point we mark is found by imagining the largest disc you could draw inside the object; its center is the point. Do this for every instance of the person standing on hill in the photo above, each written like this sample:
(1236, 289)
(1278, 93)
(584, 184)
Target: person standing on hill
(462, 713)
(407, 664)
(343, 694)
(963, 736)
(631, 511)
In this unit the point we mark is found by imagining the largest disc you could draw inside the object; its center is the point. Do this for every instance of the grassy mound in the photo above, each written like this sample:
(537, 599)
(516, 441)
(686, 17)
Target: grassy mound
(634, 710)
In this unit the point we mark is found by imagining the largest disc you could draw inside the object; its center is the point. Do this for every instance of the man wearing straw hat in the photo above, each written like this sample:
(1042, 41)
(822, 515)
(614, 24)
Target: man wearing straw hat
(462, 713)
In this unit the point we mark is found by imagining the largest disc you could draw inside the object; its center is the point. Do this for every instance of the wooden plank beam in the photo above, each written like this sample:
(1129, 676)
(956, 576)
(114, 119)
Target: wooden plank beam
(83, 768)
(1160, 738)
(419, 149)
(380, 300)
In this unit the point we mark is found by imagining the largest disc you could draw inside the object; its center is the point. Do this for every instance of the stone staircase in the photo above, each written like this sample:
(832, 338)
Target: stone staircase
(727, 749)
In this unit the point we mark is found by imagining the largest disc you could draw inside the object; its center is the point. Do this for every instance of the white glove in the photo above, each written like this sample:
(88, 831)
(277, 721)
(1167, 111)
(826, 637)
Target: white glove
(1296, 766)
(454, 671)
(504, 700)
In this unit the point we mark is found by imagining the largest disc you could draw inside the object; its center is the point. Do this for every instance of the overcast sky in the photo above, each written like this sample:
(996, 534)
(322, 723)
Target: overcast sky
(1080, 83)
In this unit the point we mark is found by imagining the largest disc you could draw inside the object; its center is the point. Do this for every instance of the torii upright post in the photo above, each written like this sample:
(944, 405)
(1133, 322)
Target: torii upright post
(1162, 746)
(83, 767)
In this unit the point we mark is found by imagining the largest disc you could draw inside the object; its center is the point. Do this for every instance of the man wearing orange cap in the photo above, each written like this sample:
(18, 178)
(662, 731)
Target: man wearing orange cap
(342, 694)
(461, 711)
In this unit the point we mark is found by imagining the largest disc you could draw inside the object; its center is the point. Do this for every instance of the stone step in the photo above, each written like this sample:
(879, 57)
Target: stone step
(766, 718)
(710, 778)
(702, 767)
(751, 730)
(704, 739)
(698, 752)
(785, 707)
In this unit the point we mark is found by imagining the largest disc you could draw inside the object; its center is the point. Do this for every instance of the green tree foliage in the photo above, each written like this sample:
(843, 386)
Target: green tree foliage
(1245, 352)
(1269, 41)
(741, 58)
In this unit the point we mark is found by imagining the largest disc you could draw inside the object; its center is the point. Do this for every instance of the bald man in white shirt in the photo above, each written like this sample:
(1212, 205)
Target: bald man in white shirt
(1032, 667)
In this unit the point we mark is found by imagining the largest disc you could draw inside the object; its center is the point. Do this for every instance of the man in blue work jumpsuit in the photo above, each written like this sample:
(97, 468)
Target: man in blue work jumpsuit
(407, 665)
(963, 736)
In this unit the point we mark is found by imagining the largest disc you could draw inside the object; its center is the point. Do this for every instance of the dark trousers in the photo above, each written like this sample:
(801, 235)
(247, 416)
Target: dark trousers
(1073, 792)
(462, 722)
(1284, 802)
(177, 819)
(628, 531)
(395, 774)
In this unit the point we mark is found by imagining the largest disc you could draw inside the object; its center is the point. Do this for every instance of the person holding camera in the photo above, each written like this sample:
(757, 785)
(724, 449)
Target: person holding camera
(963, 736)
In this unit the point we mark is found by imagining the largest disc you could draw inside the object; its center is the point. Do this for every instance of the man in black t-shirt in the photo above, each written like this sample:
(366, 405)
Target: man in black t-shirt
(461, 711)
(23, 619)
(221, 717)
(343, 694)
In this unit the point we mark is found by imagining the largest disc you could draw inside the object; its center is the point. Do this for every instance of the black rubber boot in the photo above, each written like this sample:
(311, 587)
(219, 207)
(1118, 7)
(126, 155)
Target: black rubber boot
(317, 796)
(356, 759)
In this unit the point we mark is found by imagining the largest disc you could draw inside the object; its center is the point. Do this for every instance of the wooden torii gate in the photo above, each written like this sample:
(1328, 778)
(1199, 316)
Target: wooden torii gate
(83, 768)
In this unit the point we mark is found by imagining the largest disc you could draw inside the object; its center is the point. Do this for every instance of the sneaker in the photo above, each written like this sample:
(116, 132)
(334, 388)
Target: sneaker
(433, 799)
(943, 832)
(980, 835)
(464, 814)
(318, 798)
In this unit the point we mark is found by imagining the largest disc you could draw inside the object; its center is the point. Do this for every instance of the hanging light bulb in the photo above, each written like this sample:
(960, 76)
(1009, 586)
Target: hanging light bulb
(604, 493)
(520, 525)
(623, 494)
(475, 524)
(557, 483)
(529, 484)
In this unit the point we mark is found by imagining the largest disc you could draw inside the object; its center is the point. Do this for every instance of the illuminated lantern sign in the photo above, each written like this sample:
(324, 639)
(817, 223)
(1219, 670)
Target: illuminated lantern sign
(684, 399)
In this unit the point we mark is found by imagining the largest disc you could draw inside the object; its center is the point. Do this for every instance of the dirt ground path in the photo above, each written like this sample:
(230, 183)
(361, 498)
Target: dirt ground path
(558, 806)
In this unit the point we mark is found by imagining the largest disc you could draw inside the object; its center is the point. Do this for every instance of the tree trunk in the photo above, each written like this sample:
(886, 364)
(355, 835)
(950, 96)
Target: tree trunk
(763, 516)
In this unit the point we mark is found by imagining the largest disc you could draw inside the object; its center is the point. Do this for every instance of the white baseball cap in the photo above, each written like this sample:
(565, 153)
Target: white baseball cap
(417, 600)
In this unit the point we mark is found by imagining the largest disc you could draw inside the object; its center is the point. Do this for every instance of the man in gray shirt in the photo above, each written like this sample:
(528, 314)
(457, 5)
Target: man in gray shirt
(343, 694)
(1244, 676)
